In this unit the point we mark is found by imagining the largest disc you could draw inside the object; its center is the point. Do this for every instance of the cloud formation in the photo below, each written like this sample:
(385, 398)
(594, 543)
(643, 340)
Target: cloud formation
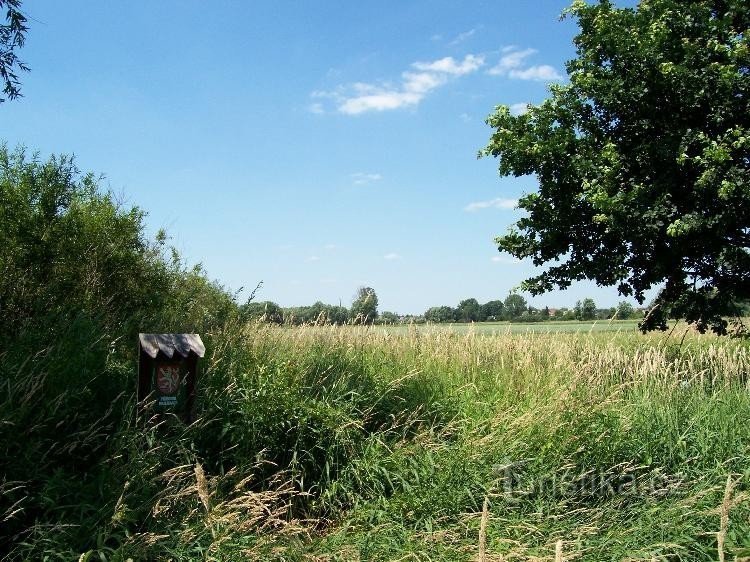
(512, 64)
(415, 84)
(497, 203)
(461, 37)
(364, 178)
(392, 256)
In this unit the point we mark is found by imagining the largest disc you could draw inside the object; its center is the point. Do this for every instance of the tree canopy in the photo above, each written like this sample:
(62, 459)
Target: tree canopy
(642, 160)
(365, 306)
(515, 305)
(12, 37)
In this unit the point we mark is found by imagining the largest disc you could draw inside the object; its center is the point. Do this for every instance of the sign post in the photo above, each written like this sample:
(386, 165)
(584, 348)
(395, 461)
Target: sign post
(168, 371)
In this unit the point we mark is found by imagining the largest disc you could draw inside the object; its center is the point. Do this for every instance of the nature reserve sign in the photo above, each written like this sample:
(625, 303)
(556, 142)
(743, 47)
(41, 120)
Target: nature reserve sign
(168, 372)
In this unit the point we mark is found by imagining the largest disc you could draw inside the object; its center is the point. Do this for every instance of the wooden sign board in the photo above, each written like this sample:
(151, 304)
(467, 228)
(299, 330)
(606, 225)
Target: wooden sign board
(168, 372)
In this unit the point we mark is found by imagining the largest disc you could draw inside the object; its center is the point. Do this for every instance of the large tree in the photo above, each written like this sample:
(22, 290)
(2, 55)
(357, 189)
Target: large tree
(468, 310)
(515, 305)
(440, 314)
(365, 306)
(12, 36)
(642, 159)
(585, 309)
(493, 310)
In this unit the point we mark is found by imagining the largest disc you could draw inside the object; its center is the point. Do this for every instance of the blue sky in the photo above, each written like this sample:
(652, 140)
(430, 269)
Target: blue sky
(316, 147)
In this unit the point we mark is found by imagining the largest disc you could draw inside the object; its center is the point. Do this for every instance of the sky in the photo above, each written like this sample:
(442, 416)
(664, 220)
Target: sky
(316, 147)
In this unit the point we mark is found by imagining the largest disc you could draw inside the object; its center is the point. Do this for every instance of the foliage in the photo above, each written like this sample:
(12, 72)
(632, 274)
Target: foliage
(69, 251)
(493, 310)
(515, 305)
(317, 313)
(265, 311)
(585, 309)
(643, 159)
(365, 306)
(307, 439)
(12, 38)
(440, 314)
(387, 317)
(625, 310)
(468, 310)
(319, 429)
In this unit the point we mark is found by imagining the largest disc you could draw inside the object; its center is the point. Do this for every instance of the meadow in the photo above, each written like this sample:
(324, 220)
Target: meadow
(364, 443)
(501, 328)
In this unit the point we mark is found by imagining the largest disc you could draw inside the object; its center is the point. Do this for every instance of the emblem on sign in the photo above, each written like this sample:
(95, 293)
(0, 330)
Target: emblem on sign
(168, 378)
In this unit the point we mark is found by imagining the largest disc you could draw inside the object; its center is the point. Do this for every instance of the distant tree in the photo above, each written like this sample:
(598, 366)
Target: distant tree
(625, 310)
(585, 309)
(493, 311)
(387, 317)
(365, 306)
(468, 310)
(413, 319)
(12, 37)
(515, 306)
(266, 311)
(440, 314)
(652, 129)
(337, 314)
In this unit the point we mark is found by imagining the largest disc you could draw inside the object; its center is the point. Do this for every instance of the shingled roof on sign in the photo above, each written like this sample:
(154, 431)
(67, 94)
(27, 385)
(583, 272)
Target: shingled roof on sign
(169, 344)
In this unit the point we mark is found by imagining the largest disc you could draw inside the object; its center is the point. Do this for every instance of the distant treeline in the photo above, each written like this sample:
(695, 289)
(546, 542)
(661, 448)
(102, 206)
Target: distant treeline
(514, 309)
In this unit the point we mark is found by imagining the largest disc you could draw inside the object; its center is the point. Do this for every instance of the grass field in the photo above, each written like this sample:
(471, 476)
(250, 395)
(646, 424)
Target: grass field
(346, 443)
(500, 328)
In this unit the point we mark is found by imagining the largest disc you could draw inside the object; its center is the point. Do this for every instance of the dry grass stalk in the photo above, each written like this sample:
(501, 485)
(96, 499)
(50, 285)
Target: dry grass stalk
(558, 552)
(725, 505)
(202, 485)
(483, 530)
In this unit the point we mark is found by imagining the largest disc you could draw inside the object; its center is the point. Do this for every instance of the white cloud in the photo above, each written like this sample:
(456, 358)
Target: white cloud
(330, 246)
(519, 108)
(465, 118)
(542, 72)
(497, 203)
(363, 178)
(415, 84)
(471, 63)
(512, 58)
(506, 260)
(461, 37)
(513, 65)
(313, 258)
(392, 256)
(316, 108)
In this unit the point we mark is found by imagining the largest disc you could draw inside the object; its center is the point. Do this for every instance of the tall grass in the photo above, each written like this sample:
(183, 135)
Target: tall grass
(351, 443)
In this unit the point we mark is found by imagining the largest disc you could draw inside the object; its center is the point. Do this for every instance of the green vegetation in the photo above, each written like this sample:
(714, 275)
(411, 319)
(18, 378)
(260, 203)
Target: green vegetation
(361, 443)
(12, 37)
(338, 442)
(642, 160)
